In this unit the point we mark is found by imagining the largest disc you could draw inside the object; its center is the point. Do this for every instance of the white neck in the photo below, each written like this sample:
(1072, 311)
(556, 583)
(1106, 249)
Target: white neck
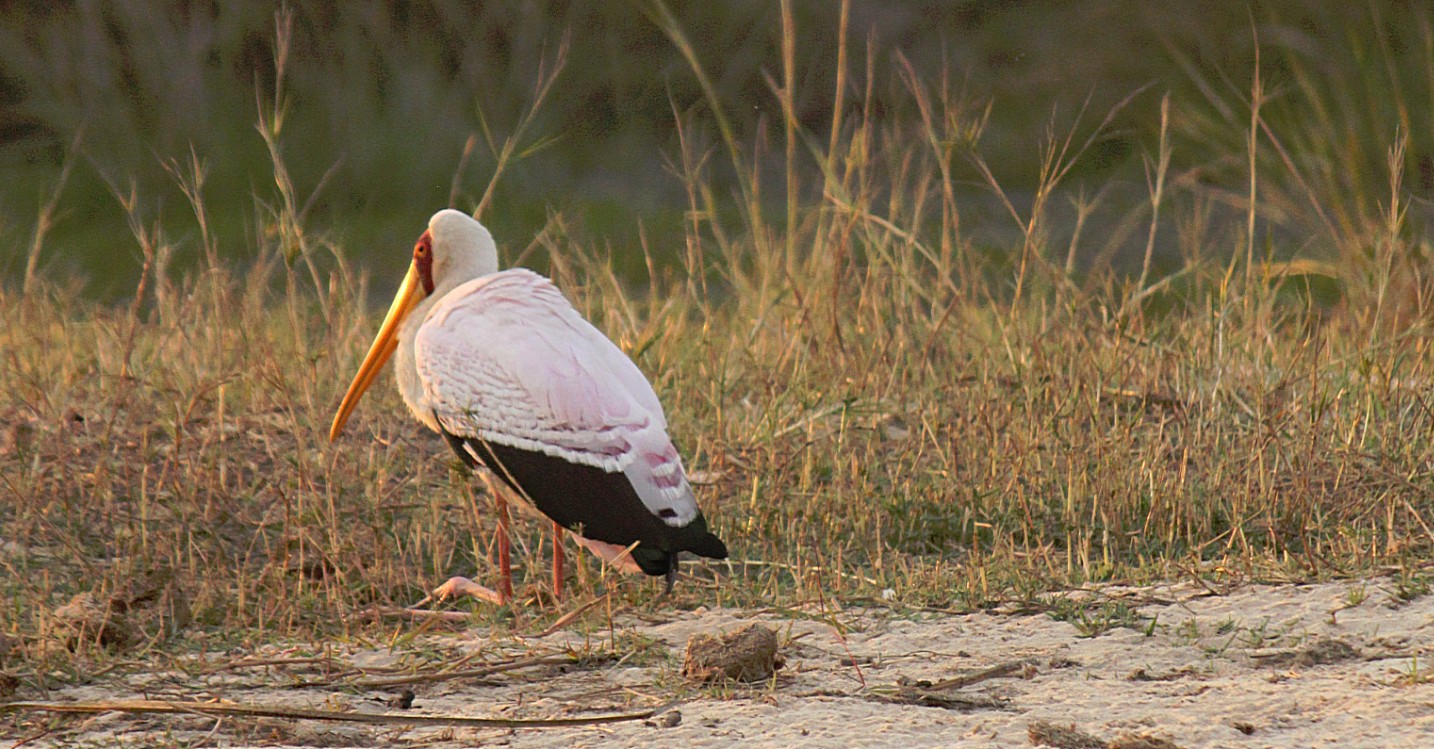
(462, 251)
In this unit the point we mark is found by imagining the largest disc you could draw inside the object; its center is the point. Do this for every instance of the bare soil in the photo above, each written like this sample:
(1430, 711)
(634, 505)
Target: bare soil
(1331, 664)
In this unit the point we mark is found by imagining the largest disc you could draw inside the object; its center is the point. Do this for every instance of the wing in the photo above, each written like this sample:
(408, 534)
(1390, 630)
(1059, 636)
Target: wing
(505, 358)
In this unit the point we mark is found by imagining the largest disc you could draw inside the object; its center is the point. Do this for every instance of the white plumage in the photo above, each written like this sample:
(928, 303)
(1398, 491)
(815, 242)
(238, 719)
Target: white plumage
(505, 358)
(514, 378)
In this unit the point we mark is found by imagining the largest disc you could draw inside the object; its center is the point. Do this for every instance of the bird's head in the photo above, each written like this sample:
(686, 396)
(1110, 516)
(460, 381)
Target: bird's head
(457, 249)
(453, 250)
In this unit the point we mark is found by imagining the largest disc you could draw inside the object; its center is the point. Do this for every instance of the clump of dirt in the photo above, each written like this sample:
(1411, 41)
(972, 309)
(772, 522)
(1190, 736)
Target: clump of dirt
(1142, 741)
(1320, 652)
(1325, 651)
(747, 654)
(17, 437)
(1042, 733)
(150, 606)
(669, 719)
(88, 617)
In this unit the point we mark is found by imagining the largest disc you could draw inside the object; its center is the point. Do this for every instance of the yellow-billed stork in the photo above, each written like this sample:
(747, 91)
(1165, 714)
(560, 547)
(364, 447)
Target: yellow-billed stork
(510, 374)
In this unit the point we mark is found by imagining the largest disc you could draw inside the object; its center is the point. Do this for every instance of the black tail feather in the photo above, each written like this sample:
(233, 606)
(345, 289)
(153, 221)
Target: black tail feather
(595, 503)
(655, 562)
(697, 539)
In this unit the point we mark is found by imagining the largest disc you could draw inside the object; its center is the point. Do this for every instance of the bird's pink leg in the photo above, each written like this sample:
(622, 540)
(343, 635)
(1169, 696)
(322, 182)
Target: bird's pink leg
(557, 561)
(505, 559)
(462, 586)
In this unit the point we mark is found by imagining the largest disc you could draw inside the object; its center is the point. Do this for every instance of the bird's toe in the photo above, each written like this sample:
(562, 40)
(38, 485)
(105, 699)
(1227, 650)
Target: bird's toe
(462, 586)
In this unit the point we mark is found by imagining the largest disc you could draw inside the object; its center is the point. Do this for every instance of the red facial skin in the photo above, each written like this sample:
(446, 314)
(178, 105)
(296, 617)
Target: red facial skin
(423, 261)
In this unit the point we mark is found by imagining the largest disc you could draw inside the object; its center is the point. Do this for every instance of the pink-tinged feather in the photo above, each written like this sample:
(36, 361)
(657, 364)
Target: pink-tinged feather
(507, 359)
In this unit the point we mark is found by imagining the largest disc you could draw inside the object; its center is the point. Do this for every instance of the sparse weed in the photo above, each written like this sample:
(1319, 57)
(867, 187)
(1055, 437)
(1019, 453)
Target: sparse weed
(1188, 631)
(1092, 618)
(1410, 584)
(1257, 635)
(1413, 675)
(634, 649)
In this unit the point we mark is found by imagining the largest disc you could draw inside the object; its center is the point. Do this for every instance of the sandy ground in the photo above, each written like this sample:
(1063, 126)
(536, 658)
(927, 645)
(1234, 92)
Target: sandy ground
(1340, 664)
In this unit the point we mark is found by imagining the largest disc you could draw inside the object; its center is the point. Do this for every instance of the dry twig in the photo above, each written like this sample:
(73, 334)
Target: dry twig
(216, 709)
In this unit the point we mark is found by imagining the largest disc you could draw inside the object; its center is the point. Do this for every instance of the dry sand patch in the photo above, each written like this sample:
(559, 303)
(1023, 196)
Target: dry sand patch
(1332, 664)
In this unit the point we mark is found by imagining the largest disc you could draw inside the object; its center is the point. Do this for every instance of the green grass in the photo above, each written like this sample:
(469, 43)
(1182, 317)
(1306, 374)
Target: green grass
(882, 401)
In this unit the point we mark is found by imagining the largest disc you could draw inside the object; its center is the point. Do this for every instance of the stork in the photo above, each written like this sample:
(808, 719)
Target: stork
(514, 378)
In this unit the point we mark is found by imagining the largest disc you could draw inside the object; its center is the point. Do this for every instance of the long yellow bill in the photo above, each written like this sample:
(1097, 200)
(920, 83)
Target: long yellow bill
(409, 295)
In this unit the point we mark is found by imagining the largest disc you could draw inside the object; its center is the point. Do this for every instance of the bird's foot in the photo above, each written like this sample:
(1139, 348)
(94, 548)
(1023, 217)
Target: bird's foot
(617, 557)
(462, 586)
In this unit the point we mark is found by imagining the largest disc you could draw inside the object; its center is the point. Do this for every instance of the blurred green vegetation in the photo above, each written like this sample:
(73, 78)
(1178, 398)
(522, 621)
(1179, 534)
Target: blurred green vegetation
(382, 95)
